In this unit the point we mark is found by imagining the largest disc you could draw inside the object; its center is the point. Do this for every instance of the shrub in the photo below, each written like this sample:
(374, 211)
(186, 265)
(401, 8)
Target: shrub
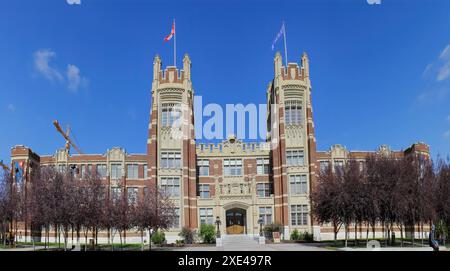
(179, 243)
(158, 238)
(188, 235)
(207, 233)
(269, 229)
(295, 235)
(308, 237)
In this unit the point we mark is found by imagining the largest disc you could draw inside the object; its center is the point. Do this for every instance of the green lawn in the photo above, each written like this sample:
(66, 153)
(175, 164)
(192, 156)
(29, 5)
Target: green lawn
(361, 243)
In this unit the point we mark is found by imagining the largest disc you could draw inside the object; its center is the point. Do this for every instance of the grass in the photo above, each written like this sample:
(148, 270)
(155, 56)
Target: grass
(340, 243)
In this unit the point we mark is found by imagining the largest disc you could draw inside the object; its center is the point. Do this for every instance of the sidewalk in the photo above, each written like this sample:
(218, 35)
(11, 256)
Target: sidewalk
(392, 249)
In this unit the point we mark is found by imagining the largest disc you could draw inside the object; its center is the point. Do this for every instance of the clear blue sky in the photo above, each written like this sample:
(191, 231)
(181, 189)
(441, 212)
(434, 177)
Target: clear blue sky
(380, 73)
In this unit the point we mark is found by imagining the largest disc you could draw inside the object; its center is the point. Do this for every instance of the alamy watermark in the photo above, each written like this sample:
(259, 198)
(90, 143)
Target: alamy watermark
(216, 122)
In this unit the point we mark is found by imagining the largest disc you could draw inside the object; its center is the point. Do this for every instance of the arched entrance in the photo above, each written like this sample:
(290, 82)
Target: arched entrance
(236, 221)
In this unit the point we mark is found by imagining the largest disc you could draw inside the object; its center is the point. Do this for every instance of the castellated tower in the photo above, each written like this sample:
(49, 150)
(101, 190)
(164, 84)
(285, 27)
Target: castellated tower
(291, 129)
(171, 143)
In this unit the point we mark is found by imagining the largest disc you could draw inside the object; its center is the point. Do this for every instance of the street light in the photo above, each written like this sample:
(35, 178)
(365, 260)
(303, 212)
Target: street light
(260, 221)
(218, 226)
(150, 241)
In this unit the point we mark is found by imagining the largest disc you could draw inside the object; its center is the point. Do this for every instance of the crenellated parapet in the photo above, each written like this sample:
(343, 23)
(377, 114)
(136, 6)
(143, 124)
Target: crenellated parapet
(172, 79)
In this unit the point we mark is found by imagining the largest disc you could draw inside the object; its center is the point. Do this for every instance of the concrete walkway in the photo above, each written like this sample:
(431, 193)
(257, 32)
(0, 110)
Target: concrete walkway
(393, 249)
(247, 243)
(22, 248)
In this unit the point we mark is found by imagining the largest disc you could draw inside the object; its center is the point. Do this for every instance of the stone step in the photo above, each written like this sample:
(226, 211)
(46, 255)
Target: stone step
(239, 240)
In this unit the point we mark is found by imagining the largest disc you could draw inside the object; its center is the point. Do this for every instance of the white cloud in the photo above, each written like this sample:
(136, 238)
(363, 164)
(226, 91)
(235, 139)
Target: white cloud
(447, 134)
(448, 118)
(432, 97)
(444, 72)
(74, 79)
(374, 2)
(445, 54)
(72, 76)
(11, 107)
(441, 67)
(74, 2)
(42, 60)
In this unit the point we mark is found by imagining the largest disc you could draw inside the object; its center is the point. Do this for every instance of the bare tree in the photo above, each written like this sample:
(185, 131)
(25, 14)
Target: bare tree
(325, 199)
(7, 205)
(352, 196)
(441, 199)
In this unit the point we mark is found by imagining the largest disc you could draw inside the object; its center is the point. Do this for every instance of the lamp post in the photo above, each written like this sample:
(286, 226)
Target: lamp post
(218, 222)
(260, 221)
(150, 241)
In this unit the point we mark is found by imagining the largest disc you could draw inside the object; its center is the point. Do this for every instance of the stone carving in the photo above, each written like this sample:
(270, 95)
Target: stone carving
(116, 154)
(384, 150)
(235, 189)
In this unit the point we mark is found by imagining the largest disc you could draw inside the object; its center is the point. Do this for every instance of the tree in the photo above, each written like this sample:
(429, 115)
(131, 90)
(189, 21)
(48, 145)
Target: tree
(351, 196)
(441, 199)
(7, 205)
(154, 211)
(326, 199)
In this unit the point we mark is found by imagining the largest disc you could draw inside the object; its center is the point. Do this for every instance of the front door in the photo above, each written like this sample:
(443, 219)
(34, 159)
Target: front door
(236, 221)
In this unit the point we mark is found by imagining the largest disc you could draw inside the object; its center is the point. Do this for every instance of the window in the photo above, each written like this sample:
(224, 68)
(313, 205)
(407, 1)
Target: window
(203, 167)
(204, 191)
(264, 189)
(73, 170)
(102, 194)
(171, 186)
(298, 184)
(101, 171)
(170, 114)
(132, 171)
(145, 192)
(293, 113)
(262, 166)
(295, 158)
(61, 168)
(361, 166)
(145, 171)
(83, 171)
(265, 213)
(116, 171)
(299, 215)
(132, 193)
(176, 219)
(206, 216)
(171, 160)
(324, 165)
(89, 169)
(232, 167)
(339, 164)
(116, 193)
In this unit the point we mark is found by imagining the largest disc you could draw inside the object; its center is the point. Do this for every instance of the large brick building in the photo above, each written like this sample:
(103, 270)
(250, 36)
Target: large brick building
(238, 182)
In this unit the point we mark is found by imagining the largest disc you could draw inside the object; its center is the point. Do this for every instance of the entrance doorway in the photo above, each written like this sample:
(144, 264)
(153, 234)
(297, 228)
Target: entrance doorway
(236, 221)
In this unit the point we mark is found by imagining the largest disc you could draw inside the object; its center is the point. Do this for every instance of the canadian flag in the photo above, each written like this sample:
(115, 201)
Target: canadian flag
(172, 33)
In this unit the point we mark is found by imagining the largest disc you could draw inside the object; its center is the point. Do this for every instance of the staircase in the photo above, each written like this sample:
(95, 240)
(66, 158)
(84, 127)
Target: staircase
(240, 242)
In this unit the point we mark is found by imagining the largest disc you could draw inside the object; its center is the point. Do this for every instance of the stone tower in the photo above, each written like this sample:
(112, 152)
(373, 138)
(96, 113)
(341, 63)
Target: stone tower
(291, 130)
(171, 142)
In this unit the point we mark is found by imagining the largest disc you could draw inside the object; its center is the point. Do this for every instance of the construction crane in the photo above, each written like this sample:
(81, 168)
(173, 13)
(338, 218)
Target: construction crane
(66, 135)
(5, 167)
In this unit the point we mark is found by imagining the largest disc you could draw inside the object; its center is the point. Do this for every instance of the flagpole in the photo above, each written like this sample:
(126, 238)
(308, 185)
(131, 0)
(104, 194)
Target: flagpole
(174, 44)
(285, 46)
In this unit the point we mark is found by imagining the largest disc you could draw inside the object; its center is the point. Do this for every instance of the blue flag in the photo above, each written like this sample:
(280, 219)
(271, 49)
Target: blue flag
(282, 32)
